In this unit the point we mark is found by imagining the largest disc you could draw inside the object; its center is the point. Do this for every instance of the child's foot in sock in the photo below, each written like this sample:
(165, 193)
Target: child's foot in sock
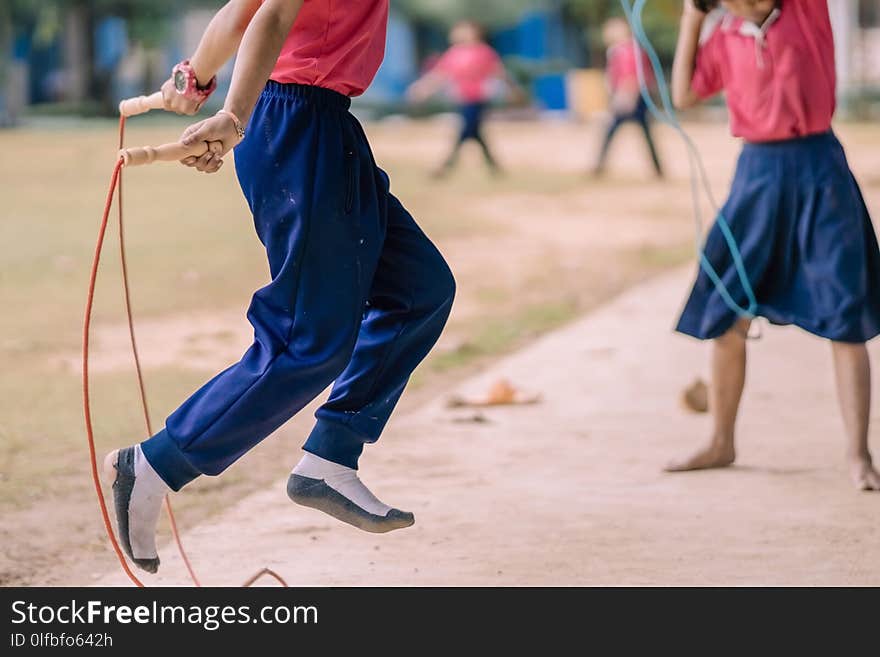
(138, 493)
(337, 491)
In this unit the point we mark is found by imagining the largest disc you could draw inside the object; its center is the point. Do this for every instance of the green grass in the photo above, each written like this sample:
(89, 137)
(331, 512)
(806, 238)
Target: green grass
(499, 335)
(662, 257)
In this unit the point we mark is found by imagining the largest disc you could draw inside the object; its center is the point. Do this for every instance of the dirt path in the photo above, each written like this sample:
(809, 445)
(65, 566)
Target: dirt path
(570, 491)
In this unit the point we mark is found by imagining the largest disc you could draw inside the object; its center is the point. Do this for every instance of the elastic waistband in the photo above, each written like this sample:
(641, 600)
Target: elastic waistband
(807, 140)
(308, 94)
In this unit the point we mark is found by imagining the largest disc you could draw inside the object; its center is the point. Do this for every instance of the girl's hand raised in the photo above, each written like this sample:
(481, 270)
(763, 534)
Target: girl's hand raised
(701, 7)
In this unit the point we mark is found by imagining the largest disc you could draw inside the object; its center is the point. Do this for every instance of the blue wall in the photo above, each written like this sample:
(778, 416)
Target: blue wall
(542, 37)
(400, 66)
(539, 35)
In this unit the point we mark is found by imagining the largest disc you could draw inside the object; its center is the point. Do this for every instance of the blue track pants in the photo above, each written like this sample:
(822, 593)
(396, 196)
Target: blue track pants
(358, 295)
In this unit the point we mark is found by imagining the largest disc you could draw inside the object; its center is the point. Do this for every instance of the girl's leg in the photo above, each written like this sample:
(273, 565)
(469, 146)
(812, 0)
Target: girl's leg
(467, 113)
(410, 298)
(645, 122)
(298, 179)
(475, 131)
(491, 162)
(451, 159)
(852, 367)
(728, 381)
(471, 128)
(409, 302)
(610, 132)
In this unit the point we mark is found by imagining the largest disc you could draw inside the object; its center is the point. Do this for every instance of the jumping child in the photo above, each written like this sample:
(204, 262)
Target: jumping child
(627, 103)
(472, 68)
(795, 209)
(358, 295)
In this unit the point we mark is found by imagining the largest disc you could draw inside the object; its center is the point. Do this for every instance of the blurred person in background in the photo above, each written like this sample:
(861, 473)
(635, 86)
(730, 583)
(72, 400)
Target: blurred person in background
(475, 74)
(627, 103)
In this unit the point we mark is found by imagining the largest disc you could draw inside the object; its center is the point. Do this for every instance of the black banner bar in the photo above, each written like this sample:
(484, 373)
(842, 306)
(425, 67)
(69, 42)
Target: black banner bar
(253, 619)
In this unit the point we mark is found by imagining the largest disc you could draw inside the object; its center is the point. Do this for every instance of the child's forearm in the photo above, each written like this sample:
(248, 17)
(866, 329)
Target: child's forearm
(425, 87)
(683, 67)
(222, 38)
(259, 50)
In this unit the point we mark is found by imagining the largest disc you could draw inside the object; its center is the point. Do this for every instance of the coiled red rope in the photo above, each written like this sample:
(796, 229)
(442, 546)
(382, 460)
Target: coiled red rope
(116, 190)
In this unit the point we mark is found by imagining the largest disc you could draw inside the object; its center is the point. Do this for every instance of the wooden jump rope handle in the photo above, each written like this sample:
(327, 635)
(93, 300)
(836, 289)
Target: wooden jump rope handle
(141, 104)
(167, 152)
(132, 157)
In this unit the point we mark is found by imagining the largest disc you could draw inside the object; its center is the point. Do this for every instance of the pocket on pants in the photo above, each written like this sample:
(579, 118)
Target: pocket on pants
(350, 178)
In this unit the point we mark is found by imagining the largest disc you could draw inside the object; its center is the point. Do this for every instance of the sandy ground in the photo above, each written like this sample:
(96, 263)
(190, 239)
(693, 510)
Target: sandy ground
(570, 492)
(545, 495)
(530, 250)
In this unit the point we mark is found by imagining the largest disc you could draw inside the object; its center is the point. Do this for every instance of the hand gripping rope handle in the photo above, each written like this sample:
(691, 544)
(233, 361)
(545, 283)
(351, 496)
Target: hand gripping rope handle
(131, 157)
(699, 177)
(172, 152)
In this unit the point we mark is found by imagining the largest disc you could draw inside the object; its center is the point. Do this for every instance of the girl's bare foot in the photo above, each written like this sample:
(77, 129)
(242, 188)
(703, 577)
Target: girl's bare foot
(714, 456)
(728, 379)
(864, 474)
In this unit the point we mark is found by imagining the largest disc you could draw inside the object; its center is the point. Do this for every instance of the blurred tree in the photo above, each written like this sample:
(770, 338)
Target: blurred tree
(41, 21)
(660, 18)
(6, 115)
(148, 23)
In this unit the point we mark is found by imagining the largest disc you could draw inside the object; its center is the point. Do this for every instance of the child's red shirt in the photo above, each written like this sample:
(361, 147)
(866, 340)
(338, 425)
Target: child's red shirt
(335, 45)
(779, 78)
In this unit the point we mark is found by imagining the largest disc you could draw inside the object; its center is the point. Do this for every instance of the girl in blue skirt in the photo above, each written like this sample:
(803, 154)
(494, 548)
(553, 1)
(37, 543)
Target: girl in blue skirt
(795, 209)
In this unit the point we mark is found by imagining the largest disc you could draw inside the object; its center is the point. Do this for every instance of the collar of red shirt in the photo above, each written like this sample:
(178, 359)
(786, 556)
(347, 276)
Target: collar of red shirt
(730, 22)
(749, 29)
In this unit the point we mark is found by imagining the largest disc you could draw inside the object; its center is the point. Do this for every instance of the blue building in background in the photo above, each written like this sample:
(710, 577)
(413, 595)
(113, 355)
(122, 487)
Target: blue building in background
(400, 66)
(550, 45)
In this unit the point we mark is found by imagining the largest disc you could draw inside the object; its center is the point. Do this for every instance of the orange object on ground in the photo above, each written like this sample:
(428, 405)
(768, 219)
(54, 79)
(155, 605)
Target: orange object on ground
(500, 393)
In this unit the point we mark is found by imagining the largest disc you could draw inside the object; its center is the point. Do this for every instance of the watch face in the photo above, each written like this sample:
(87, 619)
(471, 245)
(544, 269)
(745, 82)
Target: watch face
(180, 81)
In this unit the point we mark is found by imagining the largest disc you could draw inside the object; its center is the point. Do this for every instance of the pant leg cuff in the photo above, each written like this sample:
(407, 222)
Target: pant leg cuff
(335, 442)
(168, 460)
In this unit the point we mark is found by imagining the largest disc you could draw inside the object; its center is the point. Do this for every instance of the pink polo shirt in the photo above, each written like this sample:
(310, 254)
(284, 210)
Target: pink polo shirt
(779, 79)
(471, 68)
(623, 67)
(335, 44)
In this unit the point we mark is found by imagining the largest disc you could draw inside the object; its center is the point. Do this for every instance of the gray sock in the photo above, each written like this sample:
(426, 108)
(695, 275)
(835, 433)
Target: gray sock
(138, 493)
(338, 491)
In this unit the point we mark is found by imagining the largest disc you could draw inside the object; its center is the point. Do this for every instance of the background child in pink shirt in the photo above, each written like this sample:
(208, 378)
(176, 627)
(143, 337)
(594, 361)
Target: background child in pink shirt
(472, 71)
(627, 103)
(795, 209)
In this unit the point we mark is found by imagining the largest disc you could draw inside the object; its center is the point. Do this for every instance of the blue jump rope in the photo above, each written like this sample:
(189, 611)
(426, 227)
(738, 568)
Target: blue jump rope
(667, 115)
